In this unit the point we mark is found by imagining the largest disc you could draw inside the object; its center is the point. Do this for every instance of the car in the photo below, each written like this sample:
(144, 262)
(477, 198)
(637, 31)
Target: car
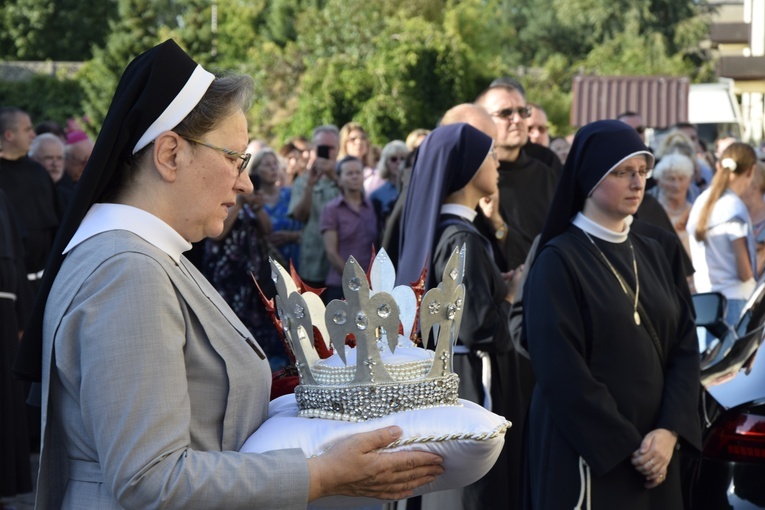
(729, 473)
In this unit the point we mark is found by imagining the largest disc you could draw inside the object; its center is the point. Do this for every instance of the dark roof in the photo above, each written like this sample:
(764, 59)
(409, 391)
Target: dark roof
(661, 100)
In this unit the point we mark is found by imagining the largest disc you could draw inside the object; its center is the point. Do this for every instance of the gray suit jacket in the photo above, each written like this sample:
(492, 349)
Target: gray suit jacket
(151, 385)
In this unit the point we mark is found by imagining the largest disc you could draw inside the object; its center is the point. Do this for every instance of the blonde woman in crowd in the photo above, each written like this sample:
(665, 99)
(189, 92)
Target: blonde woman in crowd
(722, 239)
(415, 138)
(355, 142)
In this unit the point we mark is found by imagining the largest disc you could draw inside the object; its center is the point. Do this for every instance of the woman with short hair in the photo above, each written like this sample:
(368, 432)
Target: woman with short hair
(673, 174)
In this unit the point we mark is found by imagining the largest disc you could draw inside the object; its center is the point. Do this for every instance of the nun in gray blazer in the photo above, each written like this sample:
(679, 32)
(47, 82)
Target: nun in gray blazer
(150, 383)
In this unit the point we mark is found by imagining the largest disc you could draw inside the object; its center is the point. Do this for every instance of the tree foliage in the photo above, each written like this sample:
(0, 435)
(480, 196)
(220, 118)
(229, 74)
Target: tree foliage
(630, 52)
(392, 65)
(47, 30)
(562, 38)
(134, 31)
(44, 97)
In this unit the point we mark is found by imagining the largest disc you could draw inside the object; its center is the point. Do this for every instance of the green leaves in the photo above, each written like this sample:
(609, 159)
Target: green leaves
(44, 97)
(393, 65)
(60, 30)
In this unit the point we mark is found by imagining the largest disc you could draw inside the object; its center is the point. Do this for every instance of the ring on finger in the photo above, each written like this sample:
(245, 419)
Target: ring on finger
(650, 462)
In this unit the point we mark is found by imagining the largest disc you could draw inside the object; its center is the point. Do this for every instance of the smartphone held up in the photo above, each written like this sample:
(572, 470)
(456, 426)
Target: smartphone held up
(322, 151)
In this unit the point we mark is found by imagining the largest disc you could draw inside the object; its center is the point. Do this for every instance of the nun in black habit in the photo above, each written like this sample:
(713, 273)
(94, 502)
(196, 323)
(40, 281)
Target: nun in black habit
(611, 340)
(455, 166)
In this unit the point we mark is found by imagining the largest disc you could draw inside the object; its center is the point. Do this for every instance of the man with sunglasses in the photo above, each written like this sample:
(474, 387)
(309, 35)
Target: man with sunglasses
(526, 183)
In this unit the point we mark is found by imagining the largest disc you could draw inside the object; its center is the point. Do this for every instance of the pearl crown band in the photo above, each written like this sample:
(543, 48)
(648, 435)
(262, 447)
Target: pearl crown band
(385, 373)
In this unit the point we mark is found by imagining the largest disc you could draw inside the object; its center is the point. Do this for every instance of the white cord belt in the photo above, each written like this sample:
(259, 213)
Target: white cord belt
(35, 276)
(8, 295)
(585, 495)
(485, 372)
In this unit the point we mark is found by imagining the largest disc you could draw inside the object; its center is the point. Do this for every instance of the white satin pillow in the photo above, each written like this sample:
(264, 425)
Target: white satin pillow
(468, 437)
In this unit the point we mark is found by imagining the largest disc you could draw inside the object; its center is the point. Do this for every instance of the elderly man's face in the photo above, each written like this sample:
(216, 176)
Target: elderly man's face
(50, 155)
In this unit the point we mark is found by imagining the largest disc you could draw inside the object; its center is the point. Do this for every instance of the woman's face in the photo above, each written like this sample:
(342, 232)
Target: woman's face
(357, 144)
(674, 185)
(268, 169)
(394, 164)
(209, 180)
(294, 163)
(305, 156)
(619, 194)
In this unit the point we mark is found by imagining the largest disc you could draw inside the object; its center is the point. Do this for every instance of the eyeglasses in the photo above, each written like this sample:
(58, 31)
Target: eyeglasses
(245, 157)
(630, 174)
(523, 112)
(396, 159)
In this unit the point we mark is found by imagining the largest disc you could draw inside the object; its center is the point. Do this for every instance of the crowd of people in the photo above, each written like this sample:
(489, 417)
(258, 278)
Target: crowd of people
(568, 239)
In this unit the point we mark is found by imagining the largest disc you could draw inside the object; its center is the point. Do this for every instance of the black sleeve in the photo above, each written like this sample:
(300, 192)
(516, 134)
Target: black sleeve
(485, 320)
(678, 259)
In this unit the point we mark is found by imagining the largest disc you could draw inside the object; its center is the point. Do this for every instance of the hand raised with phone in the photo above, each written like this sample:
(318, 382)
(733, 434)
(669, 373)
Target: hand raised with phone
(321, 164)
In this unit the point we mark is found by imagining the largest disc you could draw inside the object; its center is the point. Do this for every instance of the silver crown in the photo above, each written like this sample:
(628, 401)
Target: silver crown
(385, 373)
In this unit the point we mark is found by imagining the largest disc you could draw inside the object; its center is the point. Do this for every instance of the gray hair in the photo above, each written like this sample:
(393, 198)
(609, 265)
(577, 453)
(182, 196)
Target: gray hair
(41, 140)
(257, 158)
(500, 84)
(226, 95)
(327, 128)
(674, 163)
(391, 148)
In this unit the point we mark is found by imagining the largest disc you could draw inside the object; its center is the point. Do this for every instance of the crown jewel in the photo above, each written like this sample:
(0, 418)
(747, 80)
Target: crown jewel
(386, 372)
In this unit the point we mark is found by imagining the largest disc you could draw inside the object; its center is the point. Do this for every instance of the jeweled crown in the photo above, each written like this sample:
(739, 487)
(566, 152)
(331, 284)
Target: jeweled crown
(385, 372)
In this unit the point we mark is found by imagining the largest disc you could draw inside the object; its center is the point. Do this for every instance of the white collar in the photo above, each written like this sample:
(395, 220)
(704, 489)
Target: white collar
(601, 232)
(459, 210)
(105, 217)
